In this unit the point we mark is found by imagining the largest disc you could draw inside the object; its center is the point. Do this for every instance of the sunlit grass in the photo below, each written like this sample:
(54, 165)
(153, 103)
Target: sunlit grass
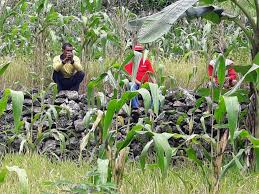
(182, 178)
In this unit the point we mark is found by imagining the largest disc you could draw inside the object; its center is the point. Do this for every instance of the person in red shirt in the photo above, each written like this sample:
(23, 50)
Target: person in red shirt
(231, 75)
(143, 74)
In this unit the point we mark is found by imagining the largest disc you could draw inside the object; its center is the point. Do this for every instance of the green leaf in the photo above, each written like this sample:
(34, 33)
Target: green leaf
(155, 97)
(17, 102)
(3, 68)
(90, 88)
(136, 61)
(4, 100)
(206, 1)
(256, 59)
(143, 155)
(3, 174)
(127, 96)
(221, 73)
(146, 98)
(129, 137)
(103, 167)
(22, 176)
(233, 109)
(213, 17)
(220, 111)
(111, 109)
(237, 86)
(163, 150)
(128, 59)
(231, 163)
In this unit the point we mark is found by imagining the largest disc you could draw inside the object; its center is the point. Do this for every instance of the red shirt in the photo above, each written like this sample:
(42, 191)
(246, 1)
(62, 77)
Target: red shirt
(231, 73)
(143, 70)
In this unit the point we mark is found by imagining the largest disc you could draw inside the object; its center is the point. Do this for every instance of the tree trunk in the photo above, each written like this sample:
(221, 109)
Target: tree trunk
(252, 120)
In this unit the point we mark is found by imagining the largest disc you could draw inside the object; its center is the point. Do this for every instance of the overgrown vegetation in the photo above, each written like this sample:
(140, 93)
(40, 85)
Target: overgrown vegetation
(32, 32)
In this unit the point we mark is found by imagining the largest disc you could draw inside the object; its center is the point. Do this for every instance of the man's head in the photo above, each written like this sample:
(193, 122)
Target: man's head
(139, 48)
(67, 50)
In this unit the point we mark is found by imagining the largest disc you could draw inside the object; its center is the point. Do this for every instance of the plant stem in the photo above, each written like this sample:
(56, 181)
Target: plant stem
(257, 13)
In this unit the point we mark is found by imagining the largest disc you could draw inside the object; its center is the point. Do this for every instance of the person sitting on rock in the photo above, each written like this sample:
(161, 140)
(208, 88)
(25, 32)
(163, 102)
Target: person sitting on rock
(144, 69)
(231, 75)
(68, 71)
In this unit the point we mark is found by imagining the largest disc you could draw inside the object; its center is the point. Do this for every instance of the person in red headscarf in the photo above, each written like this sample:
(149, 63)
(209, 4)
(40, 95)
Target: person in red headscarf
(143, 74)
(231, 75)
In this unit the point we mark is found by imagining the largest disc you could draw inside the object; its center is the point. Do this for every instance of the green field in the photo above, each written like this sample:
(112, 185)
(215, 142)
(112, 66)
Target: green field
(183, 177)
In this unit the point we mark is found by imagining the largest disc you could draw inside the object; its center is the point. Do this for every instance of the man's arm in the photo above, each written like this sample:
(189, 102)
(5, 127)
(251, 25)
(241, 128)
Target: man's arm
(232, 74)
(151, 72)
(77, 64)
(210, 71)
(57, 63)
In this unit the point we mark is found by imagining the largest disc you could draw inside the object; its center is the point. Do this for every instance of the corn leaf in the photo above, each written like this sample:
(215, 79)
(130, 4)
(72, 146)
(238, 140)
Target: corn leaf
(143, 155)
(155, 97)
(233, 109)
(163, 150)
(221, 73)
(102, 167)
(111, 109)
(136, 62)
(17, 101)
(220, 111)
(22, 176)
(237, 86)
(3, 174)
(3, 68)
(231, 163)
(129, 137)
(125, 98)
(146, 97)
(4, 100)
(90, 88)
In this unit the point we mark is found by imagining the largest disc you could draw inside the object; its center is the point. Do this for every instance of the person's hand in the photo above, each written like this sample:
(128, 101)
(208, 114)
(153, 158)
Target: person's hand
(69, 56)
(226, 82)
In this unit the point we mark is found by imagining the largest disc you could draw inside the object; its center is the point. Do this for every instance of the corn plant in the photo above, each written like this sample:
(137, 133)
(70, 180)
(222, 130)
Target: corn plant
(22, 176)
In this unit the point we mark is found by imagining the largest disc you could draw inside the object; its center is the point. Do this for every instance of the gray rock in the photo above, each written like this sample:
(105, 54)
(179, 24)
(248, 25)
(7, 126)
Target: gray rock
(178, 104)
(79, 125)
(27, 102)
(49, 145)
(59, 101)
(71, 95)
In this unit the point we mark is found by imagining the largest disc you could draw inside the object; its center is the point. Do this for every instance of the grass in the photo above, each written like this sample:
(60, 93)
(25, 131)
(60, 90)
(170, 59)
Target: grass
(24, 74)
(21, 74)
(40, 169)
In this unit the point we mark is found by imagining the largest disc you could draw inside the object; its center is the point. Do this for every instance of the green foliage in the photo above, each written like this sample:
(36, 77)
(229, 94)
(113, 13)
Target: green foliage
(22, 175)
(3, 68)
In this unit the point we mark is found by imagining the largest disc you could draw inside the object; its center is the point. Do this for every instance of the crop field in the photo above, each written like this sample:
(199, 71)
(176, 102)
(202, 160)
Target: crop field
(129, 97)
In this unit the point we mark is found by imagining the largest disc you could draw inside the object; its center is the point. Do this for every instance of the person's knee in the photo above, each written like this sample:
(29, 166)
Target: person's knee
(233, 82)
(55, 76)
(80, 75)
(133, 86)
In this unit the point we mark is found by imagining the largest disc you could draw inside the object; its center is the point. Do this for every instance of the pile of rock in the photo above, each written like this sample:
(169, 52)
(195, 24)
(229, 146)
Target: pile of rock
(61, 135)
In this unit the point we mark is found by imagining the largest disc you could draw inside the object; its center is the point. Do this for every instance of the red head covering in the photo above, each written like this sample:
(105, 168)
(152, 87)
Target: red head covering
(138, 47)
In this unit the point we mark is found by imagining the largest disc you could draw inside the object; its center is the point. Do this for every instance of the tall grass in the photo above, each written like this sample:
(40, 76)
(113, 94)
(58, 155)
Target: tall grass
(40, 169)
(22, 74)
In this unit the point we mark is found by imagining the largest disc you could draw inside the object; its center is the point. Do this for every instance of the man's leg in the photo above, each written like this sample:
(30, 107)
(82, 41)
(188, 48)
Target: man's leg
(76, 80)
(134, 101)
(57, 78)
